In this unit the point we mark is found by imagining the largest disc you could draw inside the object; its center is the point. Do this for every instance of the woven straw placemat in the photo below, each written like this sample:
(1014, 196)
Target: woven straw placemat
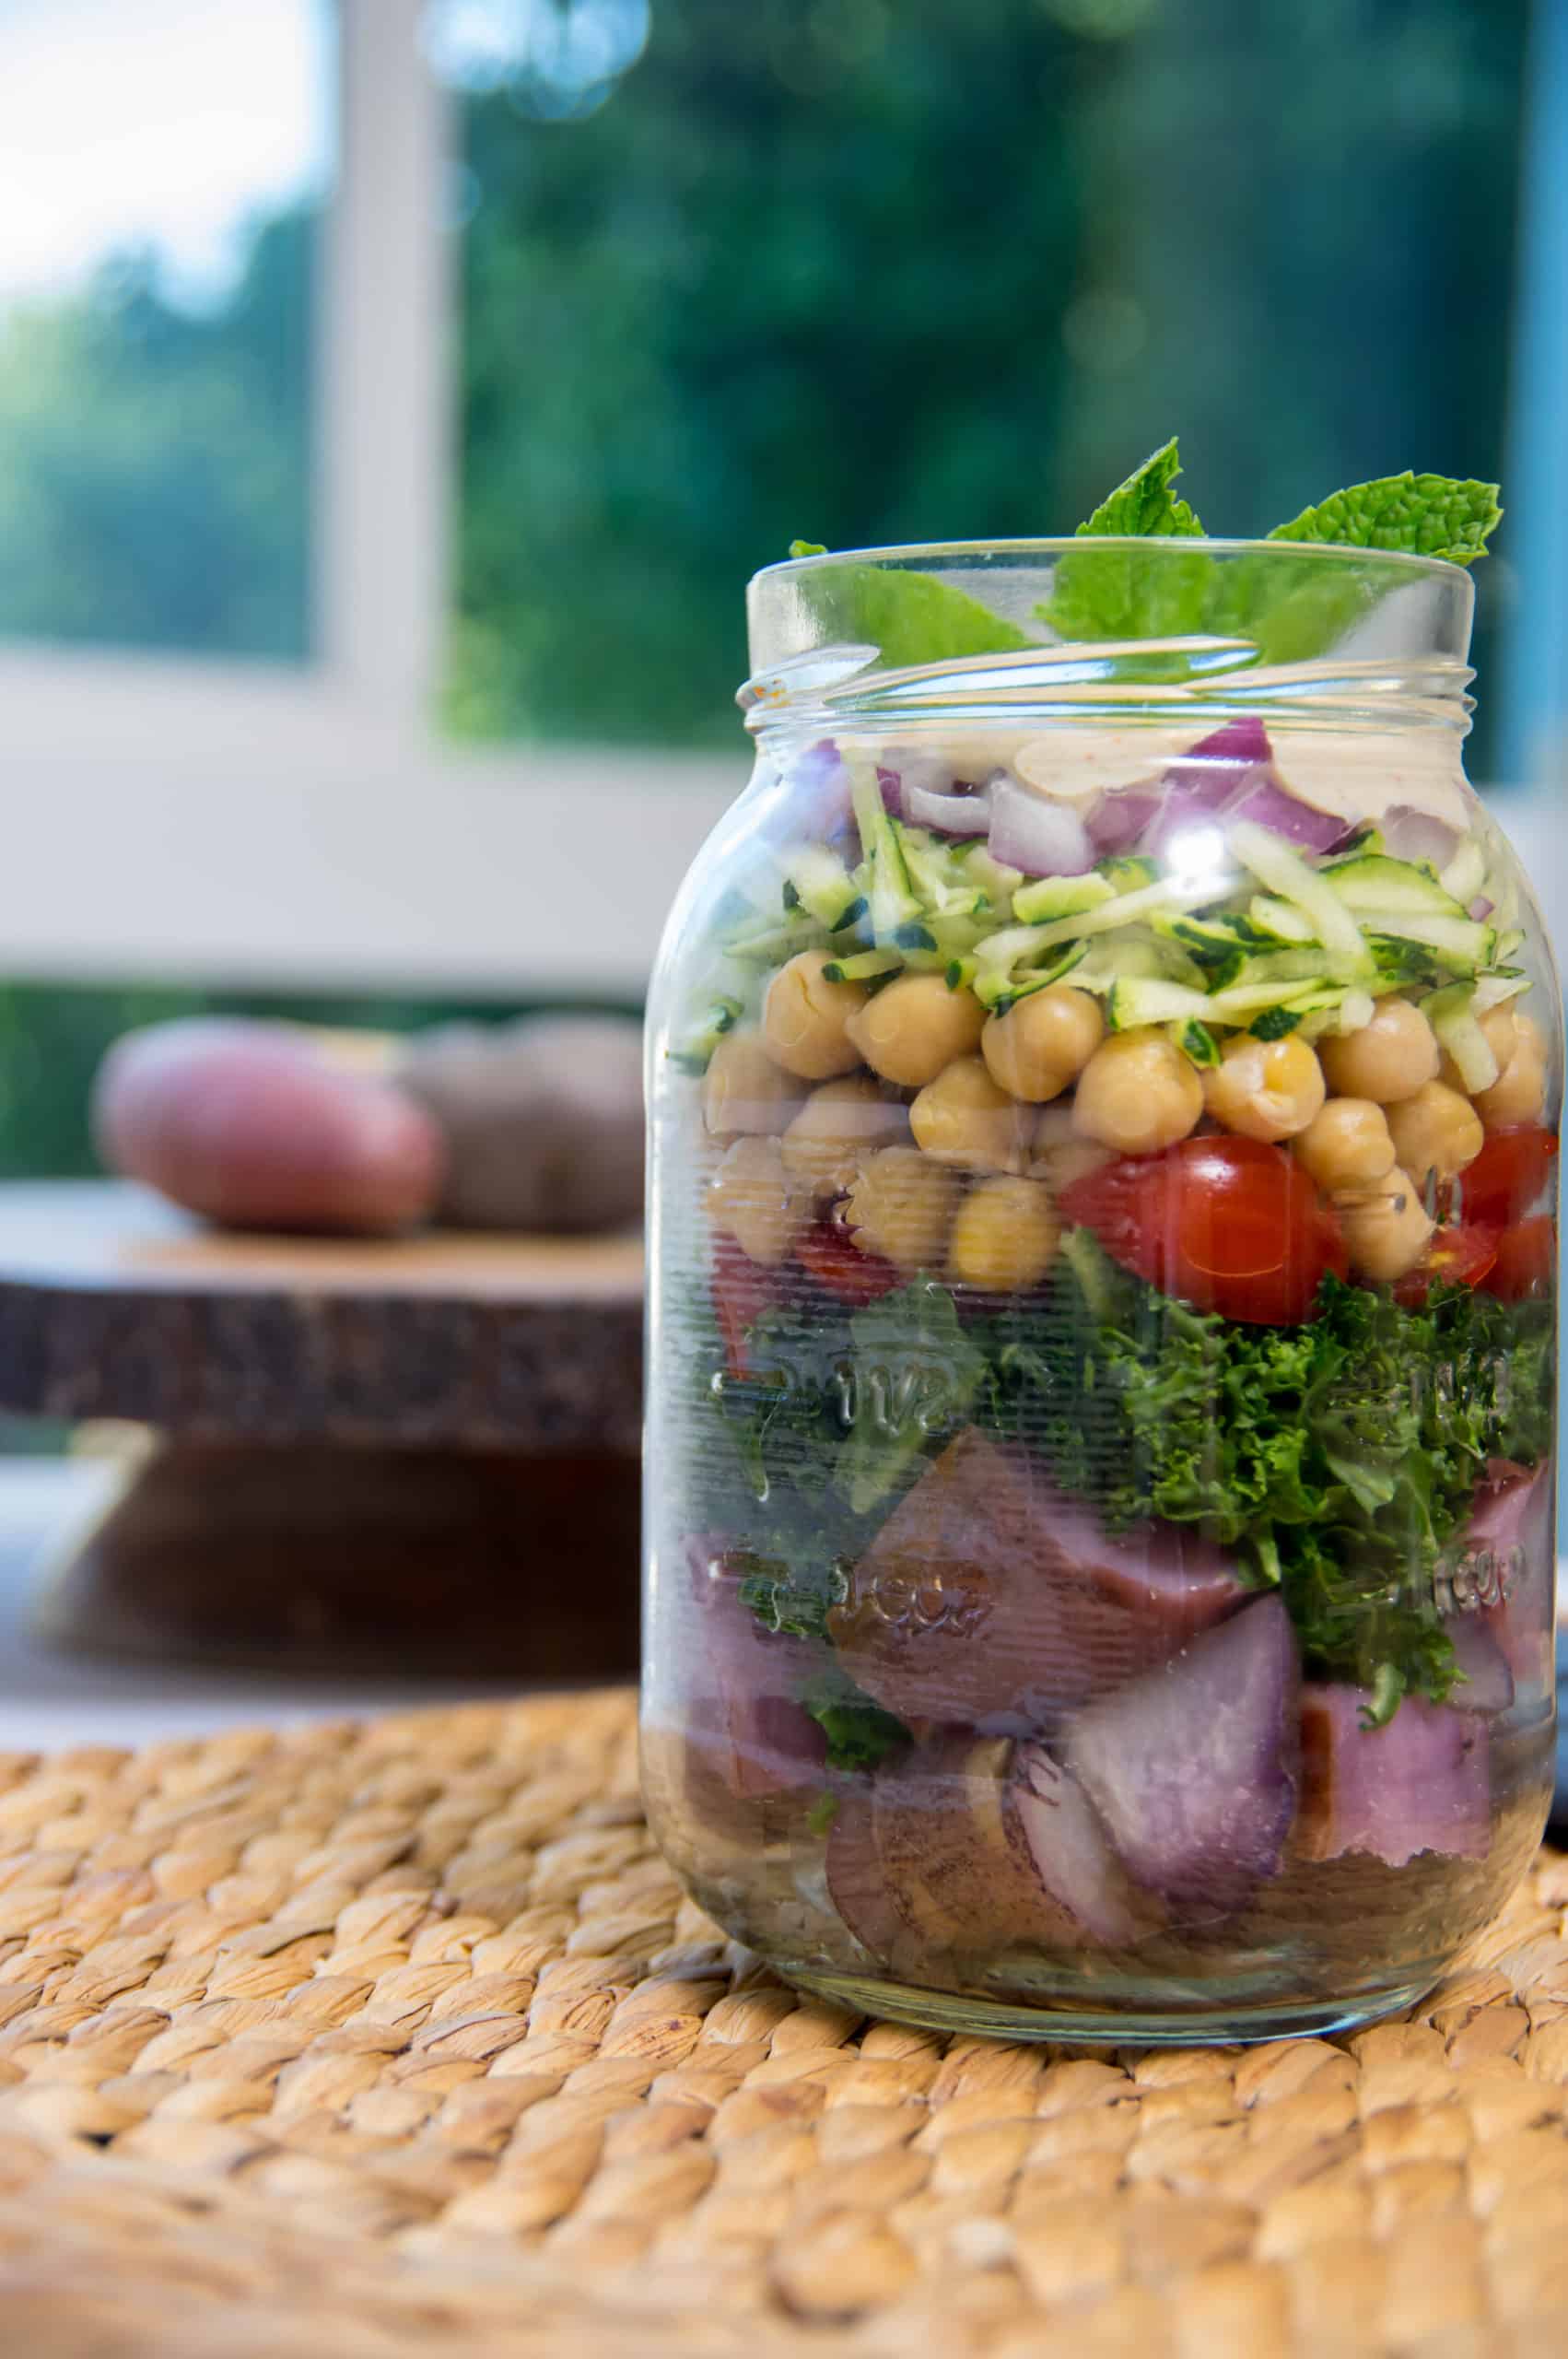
(361, 2042)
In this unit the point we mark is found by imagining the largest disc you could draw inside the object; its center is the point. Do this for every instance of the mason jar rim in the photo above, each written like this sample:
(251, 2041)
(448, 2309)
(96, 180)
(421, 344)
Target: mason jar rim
(1049, 546)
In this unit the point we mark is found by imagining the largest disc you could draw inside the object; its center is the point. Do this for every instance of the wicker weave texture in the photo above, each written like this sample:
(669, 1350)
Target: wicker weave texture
(363, 2041)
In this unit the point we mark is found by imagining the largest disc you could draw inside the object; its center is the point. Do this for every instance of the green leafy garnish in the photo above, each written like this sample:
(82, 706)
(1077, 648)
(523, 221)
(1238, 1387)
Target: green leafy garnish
(1423, 515)
(859, 1733)
(1123, 593)
(1290, 615)
(911, 616)
(1338, 1459)
(1145, 503)
(915, 1372)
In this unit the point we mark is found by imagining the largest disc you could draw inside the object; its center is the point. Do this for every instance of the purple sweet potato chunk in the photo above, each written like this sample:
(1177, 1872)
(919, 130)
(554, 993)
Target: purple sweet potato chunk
(977, 1844)
(1193, 1768)
(988, 1598)
(1486, 1680)
(1418, 1784)
(739, 1711)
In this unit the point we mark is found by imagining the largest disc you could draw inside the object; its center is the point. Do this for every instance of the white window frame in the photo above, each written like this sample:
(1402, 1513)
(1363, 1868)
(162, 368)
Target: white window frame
(256, 824)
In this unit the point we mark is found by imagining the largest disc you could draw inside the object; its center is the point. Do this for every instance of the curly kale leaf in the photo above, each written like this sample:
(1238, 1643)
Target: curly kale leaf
(859, 1733)
(1338, 1459)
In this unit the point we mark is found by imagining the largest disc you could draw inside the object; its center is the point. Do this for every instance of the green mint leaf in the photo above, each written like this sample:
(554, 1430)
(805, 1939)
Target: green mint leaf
(1121, 593)
(1423, 515)
(1145, 503)
(912, 618)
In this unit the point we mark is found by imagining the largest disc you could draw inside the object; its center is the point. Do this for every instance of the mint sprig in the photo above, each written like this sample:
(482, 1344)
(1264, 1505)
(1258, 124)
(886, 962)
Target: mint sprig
(1145, 504)
(911, 616)
(1155, 594)
(1423, 515)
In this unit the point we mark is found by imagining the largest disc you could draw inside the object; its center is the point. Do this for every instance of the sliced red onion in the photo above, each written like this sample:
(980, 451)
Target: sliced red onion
(820, 777)
(1119, 819)
(1269, 805)
(1418, 1784)
(1043, 839)
(1242, 740)
(966, 811)
(1416, 835)
(1193, 800)
(1232, 773)
(892, 786)
(1480, 907)
(1193, 1768)
(990, 1599)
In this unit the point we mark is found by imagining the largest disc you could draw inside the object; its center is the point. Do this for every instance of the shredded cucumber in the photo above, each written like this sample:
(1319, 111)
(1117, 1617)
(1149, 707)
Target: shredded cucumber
(1465, 875)
(1373, 881)
(1451, 1014)
(1061, 896)
(816, 880)
(1275, 916)
(696, 1052)
(1282, 870)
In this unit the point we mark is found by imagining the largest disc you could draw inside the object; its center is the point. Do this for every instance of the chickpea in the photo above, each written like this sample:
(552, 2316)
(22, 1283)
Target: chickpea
(1519, 1092)
(1061, 1154)
(964, 1119)
(744, 1091)
(900, 1205)
(1004, 1236)
(1137, 1094)
(838, 1128)
(1346, 1145)
(1436, 1131)
(914, 1027)
(1389, 1058)
(1265, 1089)
(1385, 1226)
(1043, 1042)
(805, 1019)
(752, 1198)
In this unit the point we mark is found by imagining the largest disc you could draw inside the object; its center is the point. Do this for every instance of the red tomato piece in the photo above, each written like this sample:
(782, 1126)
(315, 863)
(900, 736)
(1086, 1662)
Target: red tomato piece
(1525, 1262)
(1460, 1254)
(1229, 1225)
(742, 1292)
(1508, 1174)
(852, 1276)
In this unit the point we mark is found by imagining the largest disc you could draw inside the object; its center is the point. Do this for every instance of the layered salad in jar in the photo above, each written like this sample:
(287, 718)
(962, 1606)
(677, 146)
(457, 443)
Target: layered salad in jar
(1108, 1542)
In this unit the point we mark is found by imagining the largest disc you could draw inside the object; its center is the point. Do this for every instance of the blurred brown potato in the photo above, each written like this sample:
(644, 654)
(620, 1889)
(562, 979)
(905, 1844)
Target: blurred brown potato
(249, 1124)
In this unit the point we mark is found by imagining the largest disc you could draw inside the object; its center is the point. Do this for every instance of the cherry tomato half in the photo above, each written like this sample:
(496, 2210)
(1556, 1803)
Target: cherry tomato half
(852, 1276)
(1525, 1262)
(1508, 1174)
(742, 1292)
(1460, 1254)
(1229, 1225)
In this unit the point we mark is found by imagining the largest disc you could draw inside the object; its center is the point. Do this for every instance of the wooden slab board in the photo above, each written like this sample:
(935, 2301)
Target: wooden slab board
(113, 1305)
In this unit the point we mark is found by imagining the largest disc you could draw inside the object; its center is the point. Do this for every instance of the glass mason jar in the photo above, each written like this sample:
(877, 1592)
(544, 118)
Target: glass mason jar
(1103, 1077)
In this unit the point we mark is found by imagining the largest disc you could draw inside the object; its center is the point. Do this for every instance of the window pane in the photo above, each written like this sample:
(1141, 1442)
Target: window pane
(883, 270)
(164, 161)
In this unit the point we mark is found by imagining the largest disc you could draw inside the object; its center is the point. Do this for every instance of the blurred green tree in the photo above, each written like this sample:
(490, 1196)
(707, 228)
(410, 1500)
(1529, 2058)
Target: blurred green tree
(848, 269)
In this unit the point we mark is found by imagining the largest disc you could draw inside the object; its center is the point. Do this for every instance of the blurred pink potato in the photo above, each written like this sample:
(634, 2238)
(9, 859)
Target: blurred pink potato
(246, 1123)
